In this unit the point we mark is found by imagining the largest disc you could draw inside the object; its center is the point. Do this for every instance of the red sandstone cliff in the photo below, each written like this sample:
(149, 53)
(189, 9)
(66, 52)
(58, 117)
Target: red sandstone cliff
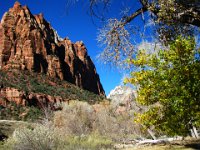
(28, 42)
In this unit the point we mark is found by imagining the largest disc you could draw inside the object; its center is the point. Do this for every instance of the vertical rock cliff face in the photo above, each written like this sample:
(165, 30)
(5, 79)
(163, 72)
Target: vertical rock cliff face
(28, 42)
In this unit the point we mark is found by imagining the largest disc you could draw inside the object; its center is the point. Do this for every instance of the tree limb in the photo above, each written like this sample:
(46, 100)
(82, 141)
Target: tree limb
(133, 15)
(190, 17)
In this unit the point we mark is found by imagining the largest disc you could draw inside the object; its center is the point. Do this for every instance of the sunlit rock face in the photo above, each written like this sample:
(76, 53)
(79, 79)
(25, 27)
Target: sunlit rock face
(28, 42)
(123, 98)
(32, 99)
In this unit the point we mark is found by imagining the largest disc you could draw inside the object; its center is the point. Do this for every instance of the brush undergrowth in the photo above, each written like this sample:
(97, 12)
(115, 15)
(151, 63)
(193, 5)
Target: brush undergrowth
(78, 126)
(48, 137)
(40, 83)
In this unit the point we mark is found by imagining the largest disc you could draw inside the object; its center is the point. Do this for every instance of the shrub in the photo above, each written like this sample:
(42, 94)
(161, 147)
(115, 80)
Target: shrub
(40, 138)
(80, 118)
(75, 119)
(77, 126)
(47, 137)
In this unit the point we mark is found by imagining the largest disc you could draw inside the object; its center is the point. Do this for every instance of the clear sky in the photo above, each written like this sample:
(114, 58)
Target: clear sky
(76, 24)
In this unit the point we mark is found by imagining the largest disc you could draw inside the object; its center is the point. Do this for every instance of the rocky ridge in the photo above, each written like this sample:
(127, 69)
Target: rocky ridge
(28, 42)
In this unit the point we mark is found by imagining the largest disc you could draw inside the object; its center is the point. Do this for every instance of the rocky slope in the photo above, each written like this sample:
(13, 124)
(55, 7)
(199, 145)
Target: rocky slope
(26, 95)
(32, 89)
(28, 42)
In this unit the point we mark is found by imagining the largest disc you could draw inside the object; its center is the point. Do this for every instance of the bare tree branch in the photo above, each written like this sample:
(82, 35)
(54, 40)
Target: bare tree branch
(171, 18)
(134, 15)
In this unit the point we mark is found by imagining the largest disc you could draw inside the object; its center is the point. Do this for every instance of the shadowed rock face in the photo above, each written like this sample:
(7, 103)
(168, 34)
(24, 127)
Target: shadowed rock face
(28, 42)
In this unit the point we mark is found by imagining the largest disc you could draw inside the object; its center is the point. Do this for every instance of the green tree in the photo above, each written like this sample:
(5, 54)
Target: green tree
(168, 82)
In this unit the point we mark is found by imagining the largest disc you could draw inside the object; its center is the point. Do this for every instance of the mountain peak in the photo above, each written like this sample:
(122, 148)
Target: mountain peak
(29, 42)
(124, 96)
(17, 5)
(120, 90)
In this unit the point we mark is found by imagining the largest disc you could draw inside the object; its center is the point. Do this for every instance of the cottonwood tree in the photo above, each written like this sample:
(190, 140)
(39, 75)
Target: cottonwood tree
(168, 81)
(168, 18)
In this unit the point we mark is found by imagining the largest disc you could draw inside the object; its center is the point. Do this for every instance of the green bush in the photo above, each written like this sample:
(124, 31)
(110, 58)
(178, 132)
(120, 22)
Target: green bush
(47, 137)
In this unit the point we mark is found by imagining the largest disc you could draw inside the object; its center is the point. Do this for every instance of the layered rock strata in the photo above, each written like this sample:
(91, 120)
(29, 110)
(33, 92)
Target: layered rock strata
(8, 95)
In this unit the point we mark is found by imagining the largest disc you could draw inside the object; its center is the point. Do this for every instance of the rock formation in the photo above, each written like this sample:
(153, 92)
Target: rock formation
(32, 99)
(123, 98)
(28, 42)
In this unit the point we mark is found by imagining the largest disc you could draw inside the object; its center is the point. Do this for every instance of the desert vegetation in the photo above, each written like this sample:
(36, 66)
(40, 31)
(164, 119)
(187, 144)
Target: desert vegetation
(17, 112)
(77, 126)
(80, 125)
(40, 83)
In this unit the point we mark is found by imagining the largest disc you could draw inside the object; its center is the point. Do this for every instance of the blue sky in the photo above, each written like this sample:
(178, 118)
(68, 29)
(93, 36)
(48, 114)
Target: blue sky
(76, 24)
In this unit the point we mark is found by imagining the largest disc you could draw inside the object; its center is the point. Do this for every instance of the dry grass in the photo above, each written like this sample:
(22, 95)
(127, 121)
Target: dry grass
(80, 118)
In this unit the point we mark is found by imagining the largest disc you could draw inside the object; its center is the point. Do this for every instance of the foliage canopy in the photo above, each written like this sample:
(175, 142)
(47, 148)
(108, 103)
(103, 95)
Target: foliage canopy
(168, 81)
